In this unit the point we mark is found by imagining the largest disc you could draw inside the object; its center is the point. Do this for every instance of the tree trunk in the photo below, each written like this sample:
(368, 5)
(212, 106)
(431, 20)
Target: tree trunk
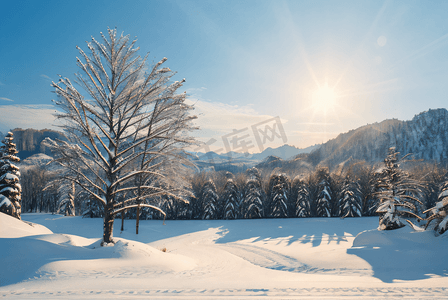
(137, 223)
(108, 223)
(122, 220)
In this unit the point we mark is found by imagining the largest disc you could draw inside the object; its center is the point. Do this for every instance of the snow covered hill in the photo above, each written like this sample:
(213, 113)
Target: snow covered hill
(308, 258)
(426, 136)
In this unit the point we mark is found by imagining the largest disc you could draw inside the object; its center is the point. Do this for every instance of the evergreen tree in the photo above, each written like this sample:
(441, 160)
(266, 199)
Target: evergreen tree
(323, 201)
(253, 200)
(336, 183)
(198, 180)
(169, 207)
(434, 177)
(302, 203)
(439, 213)
(67, 199)
(231, 200)
(210, 201)
(252, 207)
(92, 209)
(66, 194)
(368, 183)
(398, 194)
(350, 200)
(279, 190)
(10, 188)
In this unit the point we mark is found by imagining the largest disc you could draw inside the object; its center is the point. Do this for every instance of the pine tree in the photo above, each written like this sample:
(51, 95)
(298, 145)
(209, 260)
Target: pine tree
(350, 201)
(253, 200)
(439, 213)
(10, 188)
(68, 196)
(323, 201)
(67, 203)
(302, 202)
(231, 200)
(210, 201)
(252, 207)
(195, 201)
(398, 194)
(368, 186)
(92, 209)
(279, 191)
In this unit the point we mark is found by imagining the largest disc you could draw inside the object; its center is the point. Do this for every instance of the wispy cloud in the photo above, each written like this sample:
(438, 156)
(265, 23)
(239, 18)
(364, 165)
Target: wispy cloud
(218, 121)
(27, 116)
(1, 83)
(192, 91)
(6, 99)
(46, 77)
(315, 123)
(223, 118)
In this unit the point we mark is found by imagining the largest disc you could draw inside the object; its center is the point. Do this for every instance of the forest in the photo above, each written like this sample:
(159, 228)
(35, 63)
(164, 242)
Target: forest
(126, 156)
(353, 191)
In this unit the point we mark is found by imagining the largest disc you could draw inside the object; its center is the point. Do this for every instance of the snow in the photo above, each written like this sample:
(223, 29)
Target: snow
(5, 201)
(11, 227)
(310, 258)
(9, 176)
(8, 189)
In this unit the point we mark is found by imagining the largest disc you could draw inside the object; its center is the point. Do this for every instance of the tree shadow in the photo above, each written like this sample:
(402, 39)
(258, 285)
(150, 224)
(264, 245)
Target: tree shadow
(402, 254)
(314, 231)
(23, 257)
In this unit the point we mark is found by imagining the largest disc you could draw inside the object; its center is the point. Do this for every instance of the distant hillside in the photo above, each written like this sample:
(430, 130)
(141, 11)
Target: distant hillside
(29, 141)
(239, 162)
(284, 152)
(426, 136)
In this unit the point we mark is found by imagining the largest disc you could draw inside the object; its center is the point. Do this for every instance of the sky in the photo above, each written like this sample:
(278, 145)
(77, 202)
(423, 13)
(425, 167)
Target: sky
(259, 73)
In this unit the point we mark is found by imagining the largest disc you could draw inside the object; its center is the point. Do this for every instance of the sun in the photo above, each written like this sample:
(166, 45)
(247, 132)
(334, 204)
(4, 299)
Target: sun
(324, 99)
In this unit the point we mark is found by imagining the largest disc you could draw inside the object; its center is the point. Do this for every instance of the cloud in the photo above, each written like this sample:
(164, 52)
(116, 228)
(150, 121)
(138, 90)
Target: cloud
(223, 118)
(1, 83)
(315, 123)
(192, 91)
(218, 121)
(27, 116)
(6, 99)
(46, 77)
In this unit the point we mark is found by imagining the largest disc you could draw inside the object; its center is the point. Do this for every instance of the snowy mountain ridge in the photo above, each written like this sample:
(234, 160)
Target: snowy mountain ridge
(285, 152)
(425, 136)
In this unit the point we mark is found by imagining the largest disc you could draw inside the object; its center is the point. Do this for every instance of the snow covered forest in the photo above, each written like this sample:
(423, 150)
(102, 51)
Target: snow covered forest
(126, 158)
(268, 193)
(128, 130)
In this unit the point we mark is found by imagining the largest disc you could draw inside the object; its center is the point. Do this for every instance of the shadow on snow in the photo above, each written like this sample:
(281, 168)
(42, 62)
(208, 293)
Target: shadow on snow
(402, 254)
(315, 231)
(24, 256)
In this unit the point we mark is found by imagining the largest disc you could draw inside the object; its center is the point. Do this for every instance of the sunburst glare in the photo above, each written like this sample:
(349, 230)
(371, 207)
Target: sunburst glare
(324, 99)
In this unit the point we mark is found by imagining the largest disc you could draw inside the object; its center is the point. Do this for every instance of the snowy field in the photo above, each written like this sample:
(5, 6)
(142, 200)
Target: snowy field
(313, 258)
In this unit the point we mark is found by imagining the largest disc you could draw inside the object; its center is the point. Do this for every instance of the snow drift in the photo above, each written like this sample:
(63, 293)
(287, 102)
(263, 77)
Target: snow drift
(273, 258)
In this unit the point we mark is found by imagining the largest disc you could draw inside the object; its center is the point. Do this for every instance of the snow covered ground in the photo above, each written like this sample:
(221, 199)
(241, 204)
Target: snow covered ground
(309, 258)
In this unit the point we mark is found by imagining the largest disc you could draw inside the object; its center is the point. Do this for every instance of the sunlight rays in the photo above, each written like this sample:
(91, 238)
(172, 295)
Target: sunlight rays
(420, 52)
(324, 98)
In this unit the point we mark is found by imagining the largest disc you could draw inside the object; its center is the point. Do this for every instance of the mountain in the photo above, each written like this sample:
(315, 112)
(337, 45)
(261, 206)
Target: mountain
(29, 141)
(284, 152)
(425, 136)
(37, 160)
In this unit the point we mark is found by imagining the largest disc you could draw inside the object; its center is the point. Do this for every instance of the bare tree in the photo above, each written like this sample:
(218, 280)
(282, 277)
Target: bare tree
(127, 129)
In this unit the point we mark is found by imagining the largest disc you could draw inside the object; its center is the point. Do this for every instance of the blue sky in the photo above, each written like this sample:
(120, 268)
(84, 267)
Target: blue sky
(322, 67)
